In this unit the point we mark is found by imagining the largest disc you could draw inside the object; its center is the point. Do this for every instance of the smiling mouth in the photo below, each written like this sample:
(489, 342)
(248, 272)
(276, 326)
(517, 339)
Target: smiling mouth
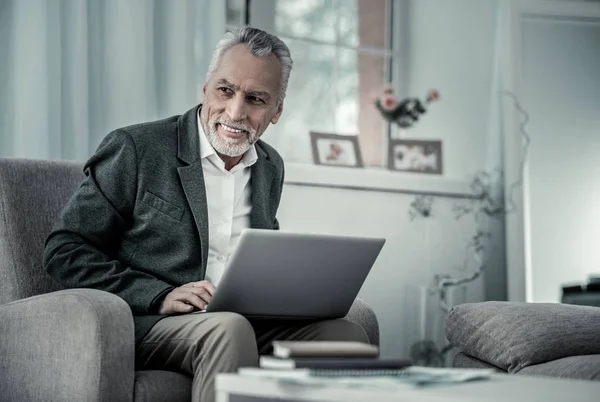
(231, 129)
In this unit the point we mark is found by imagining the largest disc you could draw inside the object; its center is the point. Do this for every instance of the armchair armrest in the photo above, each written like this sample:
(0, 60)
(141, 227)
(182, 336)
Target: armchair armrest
(70, 345)
(362, 314)
(513, 335)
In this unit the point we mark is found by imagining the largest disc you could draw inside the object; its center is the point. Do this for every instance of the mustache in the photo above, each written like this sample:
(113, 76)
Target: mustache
(233, 125)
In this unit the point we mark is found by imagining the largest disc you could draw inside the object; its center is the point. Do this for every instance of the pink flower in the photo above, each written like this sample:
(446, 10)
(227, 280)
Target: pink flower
(433, 95)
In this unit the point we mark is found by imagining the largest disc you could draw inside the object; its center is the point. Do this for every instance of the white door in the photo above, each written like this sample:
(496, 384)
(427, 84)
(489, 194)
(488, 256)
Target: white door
(556, 67)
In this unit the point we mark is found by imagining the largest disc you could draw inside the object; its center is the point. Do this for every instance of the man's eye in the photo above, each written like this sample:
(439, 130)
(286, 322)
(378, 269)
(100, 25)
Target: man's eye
(224, 90)
(255, 99)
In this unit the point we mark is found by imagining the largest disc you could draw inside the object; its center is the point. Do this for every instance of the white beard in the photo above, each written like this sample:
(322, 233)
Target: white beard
(229, 146)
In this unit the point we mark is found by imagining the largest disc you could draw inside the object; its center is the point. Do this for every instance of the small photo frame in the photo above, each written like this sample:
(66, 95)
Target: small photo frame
(416, 156)
(336, 150)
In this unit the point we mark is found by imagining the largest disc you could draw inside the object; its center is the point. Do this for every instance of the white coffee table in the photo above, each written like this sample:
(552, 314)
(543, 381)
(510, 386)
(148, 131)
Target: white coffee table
(501, 387)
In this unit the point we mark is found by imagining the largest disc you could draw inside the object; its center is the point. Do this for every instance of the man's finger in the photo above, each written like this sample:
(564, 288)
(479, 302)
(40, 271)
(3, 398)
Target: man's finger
(210, 288)
(173, 306)
(189, 297)
(202, 293)
(181, 307)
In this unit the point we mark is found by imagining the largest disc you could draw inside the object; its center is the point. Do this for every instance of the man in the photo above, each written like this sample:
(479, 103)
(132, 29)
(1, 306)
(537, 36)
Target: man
(162, 206)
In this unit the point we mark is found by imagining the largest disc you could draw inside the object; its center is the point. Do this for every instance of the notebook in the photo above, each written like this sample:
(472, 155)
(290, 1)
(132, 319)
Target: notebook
(287, 349)
(333, 363)
(302, 374)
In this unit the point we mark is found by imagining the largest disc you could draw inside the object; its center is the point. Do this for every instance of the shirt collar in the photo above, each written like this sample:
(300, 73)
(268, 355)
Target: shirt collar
(207, 150)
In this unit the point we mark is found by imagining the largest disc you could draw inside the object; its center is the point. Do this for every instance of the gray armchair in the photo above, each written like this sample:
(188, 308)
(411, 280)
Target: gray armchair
(70, 344)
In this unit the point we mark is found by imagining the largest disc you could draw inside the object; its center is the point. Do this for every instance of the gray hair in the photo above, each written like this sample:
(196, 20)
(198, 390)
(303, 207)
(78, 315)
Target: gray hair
(260, 43)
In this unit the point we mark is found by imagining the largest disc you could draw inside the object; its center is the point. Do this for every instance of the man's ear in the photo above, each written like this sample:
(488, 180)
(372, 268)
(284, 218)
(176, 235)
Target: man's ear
(204, 89)
(277, 115)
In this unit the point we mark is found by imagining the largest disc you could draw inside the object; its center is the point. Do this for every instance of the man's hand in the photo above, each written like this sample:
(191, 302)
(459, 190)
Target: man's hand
(187, 298)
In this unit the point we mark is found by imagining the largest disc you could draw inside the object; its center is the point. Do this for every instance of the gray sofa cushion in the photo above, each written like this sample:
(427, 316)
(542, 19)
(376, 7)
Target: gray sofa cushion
(160, 386)
(577, 367)
(513, 335)
(463, 360)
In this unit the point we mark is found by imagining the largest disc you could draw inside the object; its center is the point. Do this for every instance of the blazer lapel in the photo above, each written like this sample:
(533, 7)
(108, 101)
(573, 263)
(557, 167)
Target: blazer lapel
(263, 172)
(192, 177)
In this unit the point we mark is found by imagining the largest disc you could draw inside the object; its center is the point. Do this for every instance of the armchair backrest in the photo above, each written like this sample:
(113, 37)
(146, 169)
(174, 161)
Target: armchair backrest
(32, 194)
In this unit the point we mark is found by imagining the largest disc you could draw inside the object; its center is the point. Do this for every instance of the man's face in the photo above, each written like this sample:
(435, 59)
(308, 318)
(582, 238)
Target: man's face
(240, 100)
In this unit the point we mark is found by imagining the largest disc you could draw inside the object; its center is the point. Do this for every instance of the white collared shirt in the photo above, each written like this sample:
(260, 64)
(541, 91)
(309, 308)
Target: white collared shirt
(228, 196)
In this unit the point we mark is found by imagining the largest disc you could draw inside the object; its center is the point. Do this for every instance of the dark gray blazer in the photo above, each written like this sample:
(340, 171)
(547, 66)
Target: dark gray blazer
(138, 225)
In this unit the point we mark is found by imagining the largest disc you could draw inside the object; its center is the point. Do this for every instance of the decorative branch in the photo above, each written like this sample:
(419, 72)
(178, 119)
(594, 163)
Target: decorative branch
(420, 207)
(525, 150)
(485, 204)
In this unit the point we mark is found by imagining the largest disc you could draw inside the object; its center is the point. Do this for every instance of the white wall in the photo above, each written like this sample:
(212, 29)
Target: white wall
(450, 46)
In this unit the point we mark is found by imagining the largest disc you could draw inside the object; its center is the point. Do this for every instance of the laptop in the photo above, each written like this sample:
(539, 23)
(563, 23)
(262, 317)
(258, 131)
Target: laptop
(285, 275)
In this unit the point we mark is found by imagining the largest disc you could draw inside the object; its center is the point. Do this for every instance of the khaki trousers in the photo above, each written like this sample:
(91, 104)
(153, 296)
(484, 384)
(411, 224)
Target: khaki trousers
(204, 344)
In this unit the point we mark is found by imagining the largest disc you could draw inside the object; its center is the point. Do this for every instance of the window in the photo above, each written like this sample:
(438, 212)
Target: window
(341, 61)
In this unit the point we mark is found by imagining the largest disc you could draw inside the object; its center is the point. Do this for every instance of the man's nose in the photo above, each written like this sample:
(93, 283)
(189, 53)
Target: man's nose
(236, 108)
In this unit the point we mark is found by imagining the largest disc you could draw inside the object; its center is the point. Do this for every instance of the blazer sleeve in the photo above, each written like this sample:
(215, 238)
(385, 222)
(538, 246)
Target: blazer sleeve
(82, 249)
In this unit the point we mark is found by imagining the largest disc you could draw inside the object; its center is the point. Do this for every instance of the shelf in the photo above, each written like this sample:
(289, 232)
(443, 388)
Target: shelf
(375, 179)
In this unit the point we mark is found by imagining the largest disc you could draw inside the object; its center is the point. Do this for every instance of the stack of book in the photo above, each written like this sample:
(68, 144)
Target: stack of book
(350, 364)
(328, 358)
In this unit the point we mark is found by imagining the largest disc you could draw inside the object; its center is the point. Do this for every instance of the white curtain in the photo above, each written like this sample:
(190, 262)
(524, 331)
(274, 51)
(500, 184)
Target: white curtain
(73, 70)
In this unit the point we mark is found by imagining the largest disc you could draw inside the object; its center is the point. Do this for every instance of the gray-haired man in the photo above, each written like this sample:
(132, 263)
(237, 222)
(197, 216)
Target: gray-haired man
(162, 205)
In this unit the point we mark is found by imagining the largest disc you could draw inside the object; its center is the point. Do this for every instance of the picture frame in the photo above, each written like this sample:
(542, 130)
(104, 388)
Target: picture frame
(416, 156)
(330, 149)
